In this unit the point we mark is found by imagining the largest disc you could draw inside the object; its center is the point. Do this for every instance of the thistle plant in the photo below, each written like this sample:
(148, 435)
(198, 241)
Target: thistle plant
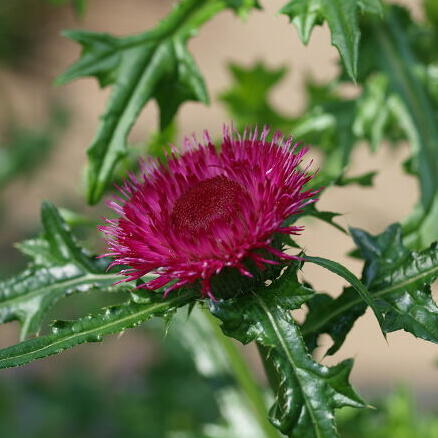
(213, 225)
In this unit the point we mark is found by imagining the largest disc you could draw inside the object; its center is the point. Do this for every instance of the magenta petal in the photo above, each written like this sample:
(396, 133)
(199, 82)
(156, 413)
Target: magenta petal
(207, 208)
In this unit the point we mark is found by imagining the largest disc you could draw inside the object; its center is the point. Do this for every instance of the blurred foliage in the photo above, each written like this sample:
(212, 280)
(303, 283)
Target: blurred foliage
(394, 417)
(79, 6)
(23, 149)
(167, 397)
(21, 22)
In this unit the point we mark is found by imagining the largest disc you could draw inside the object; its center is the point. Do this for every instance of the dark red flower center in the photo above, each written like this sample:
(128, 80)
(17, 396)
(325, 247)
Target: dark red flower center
(210, 201)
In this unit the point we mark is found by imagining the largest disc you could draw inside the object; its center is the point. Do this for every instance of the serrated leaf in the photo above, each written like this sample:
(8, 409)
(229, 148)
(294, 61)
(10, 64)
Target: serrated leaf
(60, 267)
(399, 281)
(67, 334)
(305, 15)
(153, 65)
(342, 19)
(334, 317)
(307, 393)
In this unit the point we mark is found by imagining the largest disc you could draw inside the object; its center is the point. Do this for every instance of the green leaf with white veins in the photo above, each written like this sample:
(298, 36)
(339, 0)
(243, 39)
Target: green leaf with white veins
(92, 328)
(342, 19)
(399, 282)
(154, 65)
(59, 268)
(306, 393)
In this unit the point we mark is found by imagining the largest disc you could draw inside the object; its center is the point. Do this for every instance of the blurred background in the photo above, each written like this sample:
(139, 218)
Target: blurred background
(138, 385)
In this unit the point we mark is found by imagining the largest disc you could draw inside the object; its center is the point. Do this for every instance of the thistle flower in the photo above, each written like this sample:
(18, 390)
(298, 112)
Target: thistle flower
(208, 209)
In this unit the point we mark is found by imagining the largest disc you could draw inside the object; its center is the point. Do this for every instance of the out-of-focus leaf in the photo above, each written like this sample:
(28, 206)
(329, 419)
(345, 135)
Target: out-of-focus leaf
(399, 281)
(395, 416)
(92, 328)
(23, 149)
(431, 9)
(342, 19)
(306, 393)
(59, 267)
(79, 6)
(326, 124)
(372, 111)
(243, 7)
(371, 6)
(412, 103)
(364, 180)
(248, 98)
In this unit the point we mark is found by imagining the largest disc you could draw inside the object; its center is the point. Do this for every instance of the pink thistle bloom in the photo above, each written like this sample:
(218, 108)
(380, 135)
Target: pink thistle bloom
(207, 209)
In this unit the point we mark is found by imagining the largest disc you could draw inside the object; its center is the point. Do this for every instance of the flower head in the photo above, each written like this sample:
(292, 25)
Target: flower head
(208, 209)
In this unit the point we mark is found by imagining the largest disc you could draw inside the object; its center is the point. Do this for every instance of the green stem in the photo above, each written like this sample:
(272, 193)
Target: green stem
(244, 378)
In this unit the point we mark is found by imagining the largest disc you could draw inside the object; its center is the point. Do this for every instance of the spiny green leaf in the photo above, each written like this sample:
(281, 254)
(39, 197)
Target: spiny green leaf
(399, 281)
(305, 15)
(342, 19)
(67, 334)
(152, 65)
(60, 267)
(334, 317)
(306, 393)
